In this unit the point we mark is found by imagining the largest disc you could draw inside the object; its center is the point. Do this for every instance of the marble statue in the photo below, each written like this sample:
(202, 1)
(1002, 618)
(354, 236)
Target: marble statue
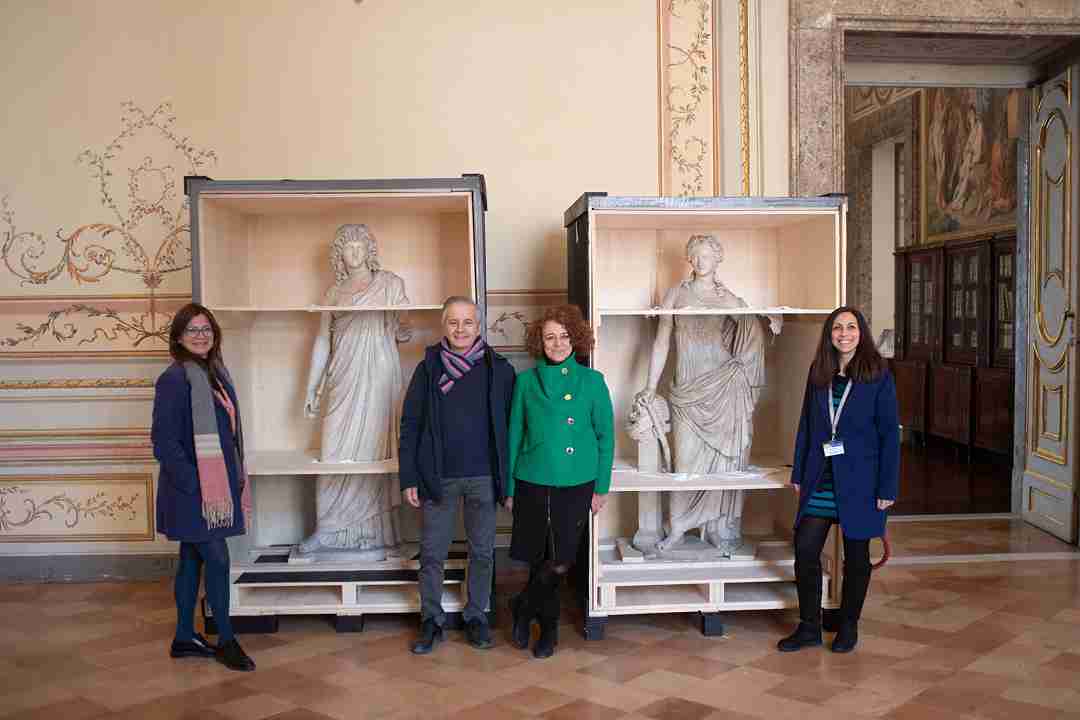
(718, 375)
(355, 382)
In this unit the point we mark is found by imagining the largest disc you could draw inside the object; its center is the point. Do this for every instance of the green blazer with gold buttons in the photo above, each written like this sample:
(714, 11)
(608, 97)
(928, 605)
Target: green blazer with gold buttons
(562, 427)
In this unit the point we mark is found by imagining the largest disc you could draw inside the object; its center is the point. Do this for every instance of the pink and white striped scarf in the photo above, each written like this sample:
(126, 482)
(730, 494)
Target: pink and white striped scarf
(455, 365)
(217, 504)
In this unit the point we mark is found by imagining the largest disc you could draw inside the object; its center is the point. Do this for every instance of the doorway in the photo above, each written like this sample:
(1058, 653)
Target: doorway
(936, 142)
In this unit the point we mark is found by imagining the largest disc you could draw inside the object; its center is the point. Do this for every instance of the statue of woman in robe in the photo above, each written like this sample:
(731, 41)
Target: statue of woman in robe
(718, 375)
(356, 381)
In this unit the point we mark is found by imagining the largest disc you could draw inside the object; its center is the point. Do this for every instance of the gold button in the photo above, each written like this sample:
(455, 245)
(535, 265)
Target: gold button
(565, 371)
(567, 396)
(569, 451)
(569, 421)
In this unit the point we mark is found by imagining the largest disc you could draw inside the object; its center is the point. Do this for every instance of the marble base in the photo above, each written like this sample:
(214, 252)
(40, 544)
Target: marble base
(694, 549)
(352, 555)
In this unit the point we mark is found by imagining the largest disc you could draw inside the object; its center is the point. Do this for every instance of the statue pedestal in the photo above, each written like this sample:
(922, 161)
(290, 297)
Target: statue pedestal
(351, 555)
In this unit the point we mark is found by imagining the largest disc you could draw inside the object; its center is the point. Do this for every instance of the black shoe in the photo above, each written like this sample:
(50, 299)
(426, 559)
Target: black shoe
(846, 638)
(197, 646)
(549, 638)
(431, 634)
(804, 636)
(478, 634)
(519, 635)
(232, 656)
(830, 620)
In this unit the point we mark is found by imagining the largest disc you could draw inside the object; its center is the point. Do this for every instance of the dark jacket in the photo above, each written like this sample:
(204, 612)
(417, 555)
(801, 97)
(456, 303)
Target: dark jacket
(179, 501)
(868, 470)
(420, 453)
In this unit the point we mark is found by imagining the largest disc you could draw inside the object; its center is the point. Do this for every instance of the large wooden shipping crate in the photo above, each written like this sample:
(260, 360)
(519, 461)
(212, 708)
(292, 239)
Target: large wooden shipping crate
(261, 258)
(785, 258)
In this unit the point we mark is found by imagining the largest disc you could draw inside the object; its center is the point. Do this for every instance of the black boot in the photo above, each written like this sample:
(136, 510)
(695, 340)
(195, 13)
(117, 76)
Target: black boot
(846, 638)
(808, 585)
(431, 634)
(549, 620)
(852, 597)
(804, 636)
(522, 629)
(830, 620)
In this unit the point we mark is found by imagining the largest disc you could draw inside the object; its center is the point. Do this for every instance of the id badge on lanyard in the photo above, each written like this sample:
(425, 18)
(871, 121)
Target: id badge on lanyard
(835, 446)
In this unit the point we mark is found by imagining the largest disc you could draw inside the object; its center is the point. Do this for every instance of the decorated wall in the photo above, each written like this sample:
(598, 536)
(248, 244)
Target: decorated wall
(114, 103)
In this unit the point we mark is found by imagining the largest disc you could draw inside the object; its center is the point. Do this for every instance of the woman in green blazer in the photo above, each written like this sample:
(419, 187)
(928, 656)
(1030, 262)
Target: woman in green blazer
(562, 443)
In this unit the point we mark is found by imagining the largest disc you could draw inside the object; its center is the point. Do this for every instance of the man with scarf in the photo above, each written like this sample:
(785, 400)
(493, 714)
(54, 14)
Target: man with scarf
(454, 448)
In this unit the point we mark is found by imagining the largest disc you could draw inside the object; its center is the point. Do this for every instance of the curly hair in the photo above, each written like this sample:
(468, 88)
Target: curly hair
(570, 317)
(348, 234)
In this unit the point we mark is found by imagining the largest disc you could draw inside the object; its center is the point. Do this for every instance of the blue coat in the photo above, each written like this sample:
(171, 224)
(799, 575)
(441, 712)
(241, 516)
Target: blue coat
(179, 502)
(420, 450)
(868, 470)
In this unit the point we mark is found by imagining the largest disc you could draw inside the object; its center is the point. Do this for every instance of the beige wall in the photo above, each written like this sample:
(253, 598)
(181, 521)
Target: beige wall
(547, 102)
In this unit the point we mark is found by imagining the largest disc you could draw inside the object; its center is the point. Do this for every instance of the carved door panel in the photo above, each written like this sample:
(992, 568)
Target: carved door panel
(1049, 485)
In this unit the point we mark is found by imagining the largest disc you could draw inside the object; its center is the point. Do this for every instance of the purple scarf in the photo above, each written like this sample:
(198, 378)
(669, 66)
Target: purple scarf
(455, 365)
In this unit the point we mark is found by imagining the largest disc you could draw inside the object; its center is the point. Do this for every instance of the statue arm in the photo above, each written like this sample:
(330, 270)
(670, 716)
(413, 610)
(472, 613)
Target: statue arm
(402, 330)
(320, 356)
(661, 346)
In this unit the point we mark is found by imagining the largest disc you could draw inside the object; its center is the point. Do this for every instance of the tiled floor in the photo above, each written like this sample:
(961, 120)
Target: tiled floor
(985, 640)
(970, 537)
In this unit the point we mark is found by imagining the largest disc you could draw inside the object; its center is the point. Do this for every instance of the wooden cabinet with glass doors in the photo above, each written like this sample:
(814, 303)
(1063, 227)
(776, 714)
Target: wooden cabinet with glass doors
(955, 350)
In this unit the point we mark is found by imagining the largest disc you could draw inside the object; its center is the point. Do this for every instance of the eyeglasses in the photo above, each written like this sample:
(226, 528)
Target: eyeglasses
(204, 331)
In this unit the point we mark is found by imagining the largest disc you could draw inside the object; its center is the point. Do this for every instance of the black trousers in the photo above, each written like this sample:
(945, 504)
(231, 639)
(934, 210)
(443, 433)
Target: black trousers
(810, 539)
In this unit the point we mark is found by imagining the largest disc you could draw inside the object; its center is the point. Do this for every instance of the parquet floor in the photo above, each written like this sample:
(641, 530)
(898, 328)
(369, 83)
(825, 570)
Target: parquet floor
(979, 640)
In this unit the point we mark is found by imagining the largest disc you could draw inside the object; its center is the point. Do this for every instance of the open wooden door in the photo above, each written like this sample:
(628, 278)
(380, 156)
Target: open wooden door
(1049, 485)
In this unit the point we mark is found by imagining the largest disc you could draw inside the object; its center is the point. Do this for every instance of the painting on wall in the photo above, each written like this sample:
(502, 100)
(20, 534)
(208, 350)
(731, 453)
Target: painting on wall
(509, 313)
(968, 152)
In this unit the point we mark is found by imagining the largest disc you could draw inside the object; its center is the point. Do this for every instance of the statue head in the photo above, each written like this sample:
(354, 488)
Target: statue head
(353, 241)
(704, 253)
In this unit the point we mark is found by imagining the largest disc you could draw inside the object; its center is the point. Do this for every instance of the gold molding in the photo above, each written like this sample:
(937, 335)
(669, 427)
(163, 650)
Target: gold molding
(77, 384)
(1038, 410)
(1064, 180)
(1044, 431)
(744, 94)
(1035, 474)
(151, 295)
(102, 479)
(139, 432)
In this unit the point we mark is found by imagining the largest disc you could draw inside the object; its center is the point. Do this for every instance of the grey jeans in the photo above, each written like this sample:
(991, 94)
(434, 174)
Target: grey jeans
(440, 519)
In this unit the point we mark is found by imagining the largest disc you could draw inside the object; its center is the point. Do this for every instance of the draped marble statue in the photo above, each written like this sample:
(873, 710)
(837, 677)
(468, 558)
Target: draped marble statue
(718, 375)
(355, 381)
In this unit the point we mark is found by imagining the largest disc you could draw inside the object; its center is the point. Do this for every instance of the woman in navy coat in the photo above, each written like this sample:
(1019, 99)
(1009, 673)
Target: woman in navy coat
(184, 487)
(846, 471)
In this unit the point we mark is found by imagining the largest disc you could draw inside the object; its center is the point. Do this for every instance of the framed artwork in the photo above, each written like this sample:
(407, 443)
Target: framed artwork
(968, 152)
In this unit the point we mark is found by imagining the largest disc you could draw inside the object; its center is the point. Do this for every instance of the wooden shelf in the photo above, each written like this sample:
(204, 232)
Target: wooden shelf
(656, 311)
(325, 308)
(306, 462)
(626, 478)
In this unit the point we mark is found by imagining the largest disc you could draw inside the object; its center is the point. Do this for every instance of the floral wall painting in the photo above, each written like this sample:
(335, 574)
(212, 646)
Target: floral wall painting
(509, 313)
(687, 87)
(66, 508)
(968, 143)
(140, 242)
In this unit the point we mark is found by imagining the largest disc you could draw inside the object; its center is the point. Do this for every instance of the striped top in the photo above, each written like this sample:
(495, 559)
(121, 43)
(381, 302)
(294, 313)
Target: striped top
(823, 502)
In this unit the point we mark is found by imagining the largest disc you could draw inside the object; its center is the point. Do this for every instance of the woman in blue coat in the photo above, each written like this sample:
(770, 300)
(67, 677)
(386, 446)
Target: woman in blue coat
(203, 492)
(846, 471)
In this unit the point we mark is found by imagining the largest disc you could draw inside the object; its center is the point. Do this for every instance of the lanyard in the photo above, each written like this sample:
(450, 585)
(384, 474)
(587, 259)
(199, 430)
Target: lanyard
(834, 413)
